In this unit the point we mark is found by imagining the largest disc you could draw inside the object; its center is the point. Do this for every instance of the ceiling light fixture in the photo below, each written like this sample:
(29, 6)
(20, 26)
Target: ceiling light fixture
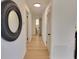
(37, 5)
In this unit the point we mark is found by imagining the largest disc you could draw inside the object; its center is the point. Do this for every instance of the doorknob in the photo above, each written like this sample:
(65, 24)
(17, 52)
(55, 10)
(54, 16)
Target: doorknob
(49, 34)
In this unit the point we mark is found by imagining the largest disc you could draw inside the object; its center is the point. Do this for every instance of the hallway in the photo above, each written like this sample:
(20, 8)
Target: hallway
(36, 49)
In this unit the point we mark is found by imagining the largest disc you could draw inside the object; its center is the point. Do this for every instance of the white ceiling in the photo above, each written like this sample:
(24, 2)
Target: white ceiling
(37, 11)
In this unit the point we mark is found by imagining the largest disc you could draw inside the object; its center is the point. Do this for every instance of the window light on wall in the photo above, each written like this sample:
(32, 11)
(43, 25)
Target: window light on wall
(37, 21)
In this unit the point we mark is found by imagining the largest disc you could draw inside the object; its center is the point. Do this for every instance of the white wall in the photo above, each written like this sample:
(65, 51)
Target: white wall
(40, 25)
(29, 26)
(33, 24)
(16, 49)
(63, 29)
(44, 33)
(44, 24)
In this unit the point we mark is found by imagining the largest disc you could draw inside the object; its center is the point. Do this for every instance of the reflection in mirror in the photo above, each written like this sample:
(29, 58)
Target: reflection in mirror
(13, 21)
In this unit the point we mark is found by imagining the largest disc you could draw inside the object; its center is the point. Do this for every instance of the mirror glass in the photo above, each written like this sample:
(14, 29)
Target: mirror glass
(13, 21)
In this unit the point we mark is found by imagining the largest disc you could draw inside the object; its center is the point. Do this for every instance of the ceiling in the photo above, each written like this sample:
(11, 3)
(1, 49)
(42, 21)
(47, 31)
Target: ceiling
(37, 12)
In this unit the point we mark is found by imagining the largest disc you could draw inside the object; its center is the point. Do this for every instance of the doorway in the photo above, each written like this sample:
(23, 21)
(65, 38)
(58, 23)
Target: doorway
(48, 42)
(27, 24)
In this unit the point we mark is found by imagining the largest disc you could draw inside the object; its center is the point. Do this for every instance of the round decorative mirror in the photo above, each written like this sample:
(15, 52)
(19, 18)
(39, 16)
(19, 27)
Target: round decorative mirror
(11, 21)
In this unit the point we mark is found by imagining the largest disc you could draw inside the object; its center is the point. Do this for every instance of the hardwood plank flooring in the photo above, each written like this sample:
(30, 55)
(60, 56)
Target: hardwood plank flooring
(36, 49)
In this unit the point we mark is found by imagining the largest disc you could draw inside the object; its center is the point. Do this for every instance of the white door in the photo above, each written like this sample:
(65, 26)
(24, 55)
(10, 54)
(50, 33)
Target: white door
(49, 30)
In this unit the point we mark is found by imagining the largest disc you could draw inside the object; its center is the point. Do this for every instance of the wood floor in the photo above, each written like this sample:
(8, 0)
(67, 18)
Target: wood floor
(36, 49)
